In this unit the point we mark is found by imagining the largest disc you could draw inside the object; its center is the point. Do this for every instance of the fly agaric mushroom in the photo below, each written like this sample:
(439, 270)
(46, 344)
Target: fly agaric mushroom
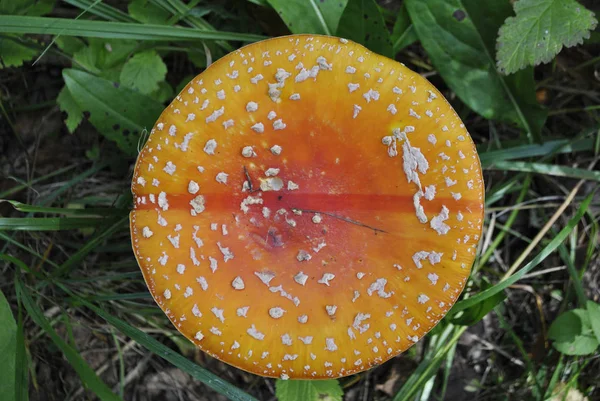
(306, 208)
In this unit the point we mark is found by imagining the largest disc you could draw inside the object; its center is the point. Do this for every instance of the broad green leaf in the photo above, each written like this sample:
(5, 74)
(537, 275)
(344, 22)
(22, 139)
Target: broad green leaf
(594, 315)
(460, 38)
(144, 71)
(67, 104)
(28, 7)
(105, 57)
(113, 30)
(147, 12)
(404, 33)
(163, 93)
(584, 344)
(310, 16)
(120, 114)
(8, 347)
(21, 360)
(539, 31)
(84, 371)
(362, 22)
(565, 327)
(308, 390)
(69, 44)
(41, 7)
(13, 53)
(475, 313)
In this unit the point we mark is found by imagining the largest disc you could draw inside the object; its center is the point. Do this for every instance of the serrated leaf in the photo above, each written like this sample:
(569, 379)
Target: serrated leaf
(594, 314)
(403, 33)
(539, 31)
(308, 390)
(105, 57)
(363, 23)
(8, 346)
(67, 104)
(13, 53)
(566, 327)
(118, 113)
(310, 16)
(460, 38)
(148, 12)
(144, 71)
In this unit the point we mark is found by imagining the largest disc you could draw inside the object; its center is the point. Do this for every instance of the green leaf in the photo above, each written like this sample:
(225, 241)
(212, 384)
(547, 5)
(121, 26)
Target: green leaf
(572, 333)
(148, 12)
(310, 16)
(163, 93)
(363, 23)
(69, 44)
(460, 38)
(539, 31)
(404, 33)
(84, 371)
(144, 71)
(120, 114)
(475, 313)
(29, 7)
(308, 390)
(594, 314)
(8, 347)
(105, 57)
(566, 327)
(41, 7)
(113, 30)
(581, 345)
(67, 104)
(13, 53)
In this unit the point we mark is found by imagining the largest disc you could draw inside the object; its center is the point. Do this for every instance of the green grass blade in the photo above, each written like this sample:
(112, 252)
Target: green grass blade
(490, 157)
(101, 10)
(23, 207)
(548, 249)
(429, 366)
(27, 249)
(87, 375)
(547, 169)
(216, 383)
(23, 185)
(113, 30)
(90, 245)
(48, 223)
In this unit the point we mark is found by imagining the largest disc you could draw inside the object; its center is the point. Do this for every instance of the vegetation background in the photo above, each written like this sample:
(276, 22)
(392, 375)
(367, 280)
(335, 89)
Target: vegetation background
(82, 80)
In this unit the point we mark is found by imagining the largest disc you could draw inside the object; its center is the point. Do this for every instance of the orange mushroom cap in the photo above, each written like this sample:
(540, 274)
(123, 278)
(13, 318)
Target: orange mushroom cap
(306, 208)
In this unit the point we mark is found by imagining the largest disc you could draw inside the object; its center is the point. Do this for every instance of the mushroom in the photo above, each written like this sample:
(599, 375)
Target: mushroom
(305, 208)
